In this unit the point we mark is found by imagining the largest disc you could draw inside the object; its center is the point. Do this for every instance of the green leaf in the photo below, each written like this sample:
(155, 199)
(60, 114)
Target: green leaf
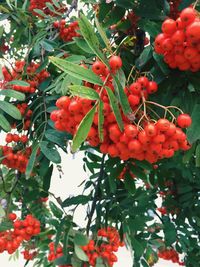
(58, 213)
(80, 253)
(129, 183)
(137, 246)
(184, 4)
(6, 225)
(31, 161)
(197, 153)
(80, 239)
(4, 124)
(50, 152)
(145, 56)
(76, 71)
(81, 43)
(84, 92)
(14, 94)
(103, 35)
(115, 108)
(47, 179)
(193, 132)
(83, 129)
(170, 233)
(2, 212)
(162, 65)
(100, 120)
(18, 82)
(122, 97)
(10, 110)
(56, 137)
(81, 199)
(91, 38)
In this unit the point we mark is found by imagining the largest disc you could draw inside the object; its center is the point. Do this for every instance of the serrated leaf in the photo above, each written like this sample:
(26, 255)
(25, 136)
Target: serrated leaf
(10, 110)
(90, 36)
(122, 97)
(80, 253)
(50, 152)
(31, 161)
(84, 92)
(100, 121)
(14, 94)
(103, 35)
(4, 124)
(115, 108)
(76, 71)
(80, 239)
(81, 199)
(83, 129)
(58, 213)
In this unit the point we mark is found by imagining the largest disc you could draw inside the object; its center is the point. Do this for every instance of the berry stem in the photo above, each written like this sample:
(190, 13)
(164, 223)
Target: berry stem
(163, 107)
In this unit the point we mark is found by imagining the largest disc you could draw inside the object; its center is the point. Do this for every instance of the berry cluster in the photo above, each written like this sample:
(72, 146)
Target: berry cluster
(23, 230)
(171, 255)
(34, 78)
(26, 114)
(67, 32)
(29, 255)
(179, 42)
(17, 155)
(41, 4)
(142, 138)
(55, 253)
(174, 12)
(106, 248)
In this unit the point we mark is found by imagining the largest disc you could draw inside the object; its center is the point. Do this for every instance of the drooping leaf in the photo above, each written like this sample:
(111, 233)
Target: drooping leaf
(47, 179)
(18, 82)
(103, 35)
(81, 199)
(31, 161)
(100, 120)
(4, 124)
(80, 239)
(80, 253)
(83, 129)
(14, 94)
(50, 152)
(76, 71)
(115, 107)
(58, 213)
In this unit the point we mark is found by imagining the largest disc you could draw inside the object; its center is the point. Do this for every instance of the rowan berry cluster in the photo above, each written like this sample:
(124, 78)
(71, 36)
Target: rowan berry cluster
(29, 255)
(174, 12)
(67, 31)
(179, 41)
(34, 79)
(41, 4)
(55, 253)
(17, 155)
(23, 230)
(171, 255)
(26, 114)
(109, 241)
(142, 138)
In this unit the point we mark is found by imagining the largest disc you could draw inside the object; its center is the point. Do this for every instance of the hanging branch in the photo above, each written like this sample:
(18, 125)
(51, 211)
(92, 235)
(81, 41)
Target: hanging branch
(96, 194)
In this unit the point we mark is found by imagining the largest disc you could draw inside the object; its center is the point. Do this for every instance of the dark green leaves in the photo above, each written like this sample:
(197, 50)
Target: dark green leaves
(4, 124)
(47, 179)
(144, 57)
(83, 129)
(193, 132)
(100, 120)
(31, 161)
(17, 82)
(80, 239)
(50, 152)
(55, 210)
(81, 199)
(76, 71)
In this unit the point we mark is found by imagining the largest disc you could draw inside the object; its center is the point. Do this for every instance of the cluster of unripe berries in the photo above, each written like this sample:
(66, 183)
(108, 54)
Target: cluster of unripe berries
(41, 4)
(23, 230)
(153, 141)
(34, 78)
(67, 31)
(17, 155)
(171, 255)
(108, 243)
(179, 41)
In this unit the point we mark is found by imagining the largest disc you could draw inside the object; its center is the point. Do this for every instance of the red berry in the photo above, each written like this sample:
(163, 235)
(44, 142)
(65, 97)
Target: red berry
(184, 120)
